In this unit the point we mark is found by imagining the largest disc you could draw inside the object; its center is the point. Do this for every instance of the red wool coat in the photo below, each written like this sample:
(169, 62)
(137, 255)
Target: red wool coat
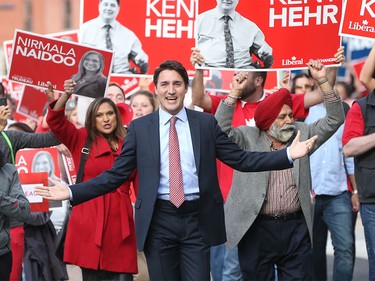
(101, 231)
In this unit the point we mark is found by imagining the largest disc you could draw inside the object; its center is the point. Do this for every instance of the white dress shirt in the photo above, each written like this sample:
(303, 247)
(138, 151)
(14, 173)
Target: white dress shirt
(124, 41)
(211, 40)
(189, 170)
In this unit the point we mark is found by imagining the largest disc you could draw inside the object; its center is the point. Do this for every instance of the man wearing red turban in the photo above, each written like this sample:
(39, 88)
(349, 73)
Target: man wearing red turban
(268, 215)
(268, 110)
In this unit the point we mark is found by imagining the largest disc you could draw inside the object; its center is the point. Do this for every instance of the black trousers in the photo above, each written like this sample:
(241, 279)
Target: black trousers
(101, 275)
(284, 243)
(5, 266)
(175, 249)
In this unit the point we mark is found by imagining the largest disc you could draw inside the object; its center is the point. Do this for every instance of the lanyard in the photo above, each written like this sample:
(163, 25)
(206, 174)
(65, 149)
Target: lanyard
(10, 145)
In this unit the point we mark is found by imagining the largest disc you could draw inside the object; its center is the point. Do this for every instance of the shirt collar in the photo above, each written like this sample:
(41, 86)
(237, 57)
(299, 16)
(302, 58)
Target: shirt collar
(165, 116)
(103, 23)
(219, 14)
(243, 103)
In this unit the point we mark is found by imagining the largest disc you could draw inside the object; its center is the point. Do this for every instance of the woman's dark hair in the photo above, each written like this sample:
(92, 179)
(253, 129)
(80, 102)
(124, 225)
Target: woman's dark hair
(172, 65)
(2, 90)
(297, 76)
(19, 126)
(90, 123)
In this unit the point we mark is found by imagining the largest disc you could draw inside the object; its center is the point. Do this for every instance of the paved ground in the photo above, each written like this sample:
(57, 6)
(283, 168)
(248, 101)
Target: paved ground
(360, 268)
(361, 263)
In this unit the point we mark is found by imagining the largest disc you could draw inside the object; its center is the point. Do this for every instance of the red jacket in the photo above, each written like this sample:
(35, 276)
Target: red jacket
(101, 231)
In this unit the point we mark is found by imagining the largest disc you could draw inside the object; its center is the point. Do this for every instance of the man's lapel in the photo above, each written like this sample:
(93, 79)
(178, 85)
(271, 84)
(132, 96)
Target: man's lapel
(194, 124)
(153, 136)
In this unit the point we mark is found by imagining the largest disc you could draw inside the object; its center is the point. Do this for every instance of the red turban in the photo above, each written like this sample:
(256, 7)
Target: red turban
(268, 109)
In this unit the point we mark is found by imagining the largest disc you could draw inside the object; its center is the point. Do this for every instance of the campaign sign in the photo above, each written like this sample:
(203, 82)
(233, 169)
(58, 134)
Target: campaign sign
(358, 19)
(7, 45)
(37, 59)
(165, 29)
(71, 35)
(133, 83)
(32, 103)
(295, 30)
(29, 182)
(221, 81)
(70, 170)
(40, 160)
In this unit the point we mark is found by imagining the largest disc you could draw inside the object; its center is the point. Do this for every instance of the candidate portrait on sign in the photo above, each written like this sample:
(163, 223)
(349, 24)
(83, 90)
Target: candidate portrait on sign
(226, 39)
(90, 80)
(106, 32)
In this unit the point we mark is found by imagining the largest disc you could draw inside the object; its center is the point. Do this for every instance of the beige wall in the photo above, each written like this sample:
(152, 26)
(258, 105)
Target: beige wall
(47, 16)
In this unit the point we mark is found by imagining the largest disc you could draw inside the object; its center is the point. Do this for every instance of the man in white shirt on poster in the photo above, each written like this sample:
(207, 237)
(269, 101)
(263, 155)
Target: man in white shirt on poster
(106, 32)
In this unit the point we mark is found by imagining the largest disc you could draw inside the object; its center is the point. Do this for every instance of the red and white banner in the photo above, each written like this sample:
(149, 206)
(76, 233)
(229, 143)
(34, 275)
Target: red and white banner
(41, 160)
(133, 83)
(71, 35)
(29, 182)
(8, 45)
(32, 102)
(358, 19)
(37, 59)
(165, 28)
(221, 81)
(296, 30)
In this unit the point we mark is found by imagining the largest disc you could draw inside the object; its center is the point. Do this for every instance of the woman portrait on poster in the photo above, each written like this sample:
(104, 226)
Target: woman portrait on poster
(90, 80)
(43, 162)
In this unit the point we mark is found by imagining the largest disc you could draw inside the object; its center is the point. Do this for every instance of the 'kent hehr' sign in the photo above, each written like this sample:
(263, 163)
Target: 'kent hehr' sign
(358, 19)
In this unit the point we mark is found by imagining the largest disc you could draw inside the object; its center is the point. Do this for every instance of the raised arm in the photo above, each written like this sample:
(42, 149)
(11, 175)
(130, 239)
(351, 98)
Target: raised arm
(4, 114)
(69, 89)
(315, 97)
(366, 76)
(199, 96)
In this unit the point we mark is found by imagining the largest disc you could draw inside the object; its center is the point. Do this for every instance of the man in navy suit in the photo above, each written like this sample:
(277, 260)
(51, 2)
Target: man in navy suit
(176, 240)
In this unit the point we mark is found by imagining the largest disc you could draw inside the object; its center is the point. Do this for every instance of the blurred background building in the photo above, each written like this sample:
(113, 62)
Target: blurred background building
(39, 16)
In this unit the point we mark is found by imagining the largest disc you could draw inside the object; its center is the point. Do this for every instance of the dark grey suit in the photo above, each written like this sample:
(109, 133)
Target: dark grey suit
(141, 150)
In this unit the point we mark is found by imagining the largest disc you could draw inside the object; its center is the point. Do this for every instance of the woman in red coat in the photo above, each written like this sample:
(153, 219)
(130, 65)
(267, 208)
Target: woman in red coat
(100, 237)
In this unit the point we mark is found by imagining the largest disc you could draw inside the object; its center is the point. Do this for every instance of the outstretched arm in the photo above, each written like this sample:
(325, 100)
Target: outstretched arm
(199, 96)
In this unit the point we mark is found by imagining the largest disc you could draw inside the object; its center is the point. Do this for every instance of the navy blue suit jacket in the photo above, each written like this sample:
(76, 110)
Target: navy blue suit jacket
(141, 150)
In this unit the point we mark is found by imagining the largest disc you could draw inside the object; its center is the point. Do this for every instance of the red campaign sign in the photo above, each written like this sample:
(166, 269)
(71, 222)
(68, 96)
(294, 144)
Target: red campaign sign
(221, 80)
(358, 19)
(133, 83)
(164, 28)
(32, 103)
(37, 59)
(65, 35)
(40, 160)
(6, 83)
(296, 30)
(29, 182)
(71, 173)
(8, 45)
(13, 89)
(356, 68)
